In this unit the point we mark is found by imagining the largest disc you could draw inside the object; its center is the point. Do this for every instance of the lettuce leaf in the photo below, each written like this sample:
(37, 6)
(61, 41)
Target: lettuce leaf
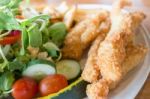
(57, 33)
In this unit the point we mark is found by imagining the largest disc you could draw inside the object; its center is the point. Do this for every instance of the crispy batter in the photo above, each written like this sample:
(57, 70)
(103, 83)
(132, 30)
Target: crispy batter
(91, 72)
(82, 14)
(112, 51)
(135, 55)
(98, 90)
(81, 36)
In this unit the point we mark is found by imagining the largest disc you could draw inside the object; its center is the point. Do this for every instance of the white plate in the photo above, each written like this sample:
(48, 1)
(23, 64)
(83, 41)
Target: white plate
(133, 82)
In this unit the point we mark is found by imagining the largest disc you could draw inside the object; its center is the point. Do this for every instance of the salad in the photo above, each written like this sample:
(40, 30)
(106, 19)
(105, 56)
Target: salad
(30, 55)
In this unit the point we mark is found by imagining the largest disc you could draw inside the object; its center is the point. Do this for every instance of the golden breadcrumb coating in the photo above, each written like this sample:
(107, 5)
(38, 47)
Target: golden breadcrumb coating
(98, 90)
(135, 55)
(113, 54)
(91, 72)
(81, 36)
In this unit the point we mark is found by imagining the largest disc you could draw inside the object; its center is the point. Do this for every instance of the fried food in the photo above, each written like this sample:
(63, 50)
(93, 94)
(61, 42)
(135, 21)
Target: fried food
(112, 52)
(69, 17)
(81, 36)
(135, 55)
(91, 66)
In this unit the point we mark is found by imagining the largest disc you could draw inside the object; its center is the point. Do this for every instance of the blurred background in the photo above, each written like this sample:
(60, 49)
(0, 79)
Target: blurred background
(140, 5)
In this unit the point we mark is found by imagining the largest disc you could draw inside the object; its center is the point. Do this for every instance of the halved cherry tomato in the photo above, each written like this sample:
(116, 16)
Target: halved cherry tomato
(12, 38)
(24, 88)
(52, 84)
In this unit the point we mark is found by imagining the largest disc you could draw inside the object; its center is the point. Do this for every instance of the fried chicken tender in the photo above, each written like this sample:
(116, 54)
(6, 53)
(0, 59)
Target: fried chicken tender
(135, 55)
(91, 66)
(112, 51)
(81, 36)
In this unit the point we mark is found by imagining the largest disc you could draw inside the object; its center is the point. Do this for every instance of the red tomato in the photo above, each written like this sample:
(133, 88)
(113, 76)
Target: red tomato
(24, 88)
(12, 38)
(52, 84)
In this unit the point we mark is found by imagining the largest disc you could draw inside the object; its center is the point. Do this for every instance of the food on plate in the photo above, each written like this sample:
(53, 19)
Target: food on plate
(81, 35)
(30, 43)
(69, 17)
(38, 69)
(91, 66)
(24, 88)
(112, 52)
(52, 84)
(41, 49)
(135, 54)
(69, 68)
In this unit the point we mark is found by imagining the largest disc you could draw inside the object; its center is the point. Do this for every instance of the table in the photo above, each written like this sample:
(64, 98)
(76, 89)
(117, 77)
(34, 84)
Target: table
(145, 91)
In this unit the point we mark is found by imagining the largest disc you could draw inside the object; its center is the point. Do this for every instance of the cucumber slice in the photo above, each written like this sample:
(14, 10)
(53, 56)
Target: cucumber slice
(38, 69)
(69, 68)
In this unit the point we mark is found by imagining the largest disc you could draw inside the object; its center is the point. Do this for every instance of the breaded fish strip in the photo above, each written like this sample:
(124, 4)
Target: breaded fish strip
(91, 72)
(91, 67)
(112, 51)
(100, 89)
(81, 36)
(135, 55)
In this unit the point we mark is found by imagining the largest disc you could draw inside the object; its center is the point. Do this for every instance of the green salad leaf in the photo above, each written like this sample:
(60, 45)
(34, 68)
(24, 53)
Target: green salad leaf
(52, 50)
(7, 18)
(13, 4)
(7, 22)
(4, 2)
(9, 3)
(35, 37)
(5, 61)
(31, 33)
(24, 41)
(16, 65)
(57, 33)
(6, 81)
(28, 22)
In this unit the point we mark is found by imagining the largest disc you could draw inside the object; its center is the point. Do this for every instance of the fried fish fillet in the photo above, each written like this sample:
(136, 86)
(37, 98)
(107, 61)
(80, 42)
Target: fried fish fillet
(81, 36)
(91, 72)
(112, 51)
(91, 66)
(135, 55)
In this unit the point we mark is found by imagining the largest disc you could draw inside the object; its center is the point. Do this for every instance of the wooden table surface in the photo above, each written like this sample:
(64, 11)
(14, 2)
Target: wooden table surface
(145, 91)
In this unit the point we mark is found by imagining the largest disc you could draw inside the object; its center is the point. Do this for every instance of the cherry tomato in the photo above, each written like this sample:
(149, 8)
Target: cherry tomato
(13, 37)
(52, 84)
(24, 88)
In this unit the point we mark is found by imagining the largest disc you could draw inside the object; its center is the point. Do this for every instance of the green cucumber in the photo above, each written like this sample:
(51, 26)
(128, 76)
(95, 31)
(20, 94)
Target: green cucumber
(38, 69)
(69, 68)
